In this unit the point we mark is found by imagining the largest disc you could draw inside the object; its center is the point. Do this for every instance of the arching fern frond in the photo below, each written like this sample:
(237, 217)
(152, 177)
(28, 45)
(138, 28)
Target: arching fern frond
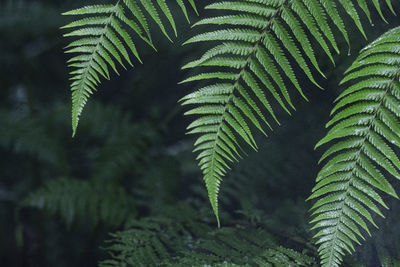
(363, 138)
(253, 60)
(77, 200)
(104, 42)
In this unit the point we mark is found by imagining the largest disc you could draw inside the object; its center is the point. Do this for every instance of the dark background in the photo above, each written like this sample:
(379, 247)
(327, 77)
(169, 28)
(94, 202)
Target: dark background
(137, 114)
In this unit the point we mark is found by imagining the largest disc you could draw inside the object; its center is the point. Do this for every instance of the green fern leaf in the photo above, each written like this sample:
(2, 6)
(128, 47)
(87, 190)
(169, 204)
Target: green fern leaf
(253, 55)
(82, 201)
(364, 136)
(184, 238)
(104, 40)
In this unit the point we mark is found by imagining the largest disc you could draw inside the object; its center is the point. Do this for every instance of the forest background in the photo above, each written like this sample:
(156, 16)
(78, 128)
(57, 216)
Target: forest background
(133, 133)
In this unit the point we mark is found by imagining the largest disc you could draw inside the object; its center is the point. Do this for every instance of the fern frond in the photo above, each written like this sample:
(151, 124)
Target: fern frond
(256, 47)
(149, 241)
(240, 247)
(385, 260)
(76, 200)
(31, 137)
(104, 42)
(364, 136)
(350, 7)
(187, 240)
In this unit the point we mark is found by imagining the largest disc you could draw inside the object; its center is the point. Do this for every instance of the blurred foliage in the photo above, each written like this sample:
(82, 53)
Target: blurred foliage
(131, 147)
(182, 237)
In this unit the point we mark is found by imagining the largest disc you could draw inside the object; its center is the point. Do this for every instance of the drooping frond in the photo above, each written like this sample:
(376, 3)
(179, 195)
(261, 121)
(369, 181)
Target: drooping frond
(249, 68)
(105, 40)
(76, 200)
(363, 138)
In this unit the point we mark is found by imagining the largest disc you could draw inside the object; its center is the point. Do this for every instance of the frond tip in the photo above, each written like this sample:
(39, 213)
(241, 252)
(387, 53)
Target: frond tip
(257, 46)
(253, 59)
(104, 41)
(366, 131)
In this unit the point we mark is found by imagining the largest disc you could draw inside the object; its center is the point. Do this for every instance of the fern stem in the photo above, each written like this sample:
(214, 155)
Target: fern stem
(230, 99)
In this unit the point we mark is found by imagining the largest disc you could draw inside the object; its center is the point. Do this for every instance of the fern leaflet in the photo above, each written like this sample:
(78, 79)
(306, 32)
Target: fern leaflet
(253, 55)
(366, 131)
(104, 42)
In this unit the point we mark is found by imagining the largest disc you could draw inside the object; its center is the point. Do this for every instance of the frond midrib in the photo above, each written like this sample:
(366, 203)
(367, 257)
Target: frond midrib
(356, 161)
(212, 166)
(82, 84)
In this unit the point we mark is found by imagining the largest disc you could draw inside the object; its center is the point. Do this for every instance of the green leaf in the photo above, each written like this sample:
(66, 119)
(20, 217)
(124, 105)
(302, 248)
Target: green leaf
(365, 125)
(103, 41)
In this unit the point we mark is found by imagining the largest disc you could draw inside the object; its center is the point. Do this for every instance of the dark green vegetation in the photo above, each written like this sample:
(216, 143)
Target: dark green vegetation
(130, 170)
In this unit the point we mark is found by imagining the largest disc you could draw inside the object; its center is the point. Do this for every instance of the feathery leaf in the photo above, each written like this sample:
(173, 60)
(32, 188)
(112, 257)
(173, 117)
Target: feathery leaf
(364, 137)
(104, 39)
(256, 47)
